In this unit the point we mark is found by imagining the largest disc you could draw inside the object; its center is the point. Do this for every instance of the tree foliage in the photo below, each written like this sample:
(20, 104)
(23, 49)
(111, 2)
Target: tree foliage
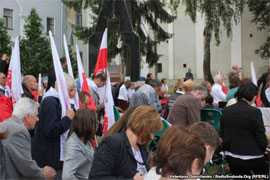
(218, 14)
(35, 47)
(5, 41)
(261, 11)
(145, 15)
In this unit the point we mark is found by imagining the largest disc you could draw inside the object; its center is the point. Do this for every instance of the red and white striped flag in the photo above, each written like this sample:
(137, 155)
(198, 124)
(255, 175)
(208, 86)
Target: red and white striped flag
(70, 72)
(102, 55)
(14, 74)
(83, 81)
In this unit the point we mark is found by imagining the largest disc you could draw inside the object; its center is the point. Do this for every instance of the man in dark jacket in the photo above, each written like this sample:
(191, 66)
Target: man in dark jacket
(47, 148)
(51, 73)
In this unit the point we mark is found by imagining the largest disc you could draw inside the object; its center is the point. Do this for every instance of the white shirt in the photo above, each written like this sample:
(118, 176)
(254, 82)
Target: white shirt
(243, 157)
(140, 164)
(217, 93)
(267, 94)
(152, 174)
(123, 95)
(165, 89)
(7, 91)
(130, 93)
(92, 84)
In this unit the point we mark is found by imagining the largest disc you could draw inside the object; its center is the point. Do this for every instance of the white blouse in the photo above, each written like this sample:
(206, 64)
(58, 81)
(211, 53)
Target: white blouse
(123, 95)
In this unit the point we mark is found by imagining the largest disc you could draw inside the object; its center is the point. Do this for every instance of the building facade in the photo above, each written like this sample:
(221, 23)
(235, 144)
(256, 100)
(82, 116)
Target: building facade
(52, 13)
(185, 49)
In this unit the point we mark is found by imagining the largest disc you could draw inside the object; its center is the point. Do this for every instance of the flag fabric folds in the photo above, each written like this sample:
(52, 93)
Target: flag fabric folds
(102, 67)
(39, 81)
(254, 80)
(101, 64)
(62, 91)
(109, 111)
(14, 80)
(70, 71)
(83, 81)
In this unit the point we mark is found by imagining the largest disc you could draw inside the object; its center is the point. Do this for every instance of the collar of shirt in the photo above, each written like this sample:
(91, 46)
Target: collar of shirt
(92, 84)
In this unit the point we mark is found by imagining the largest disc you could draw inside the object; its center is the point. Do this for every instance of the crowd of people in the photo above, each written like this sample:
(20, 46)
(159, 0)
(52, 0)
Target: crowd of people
(37, 141)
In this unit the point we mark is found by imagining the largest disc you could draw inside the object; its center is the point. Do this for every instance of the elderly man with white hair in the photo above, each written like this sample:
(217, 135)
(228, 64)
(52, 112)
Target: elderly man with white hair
(216, 92)
(17, 146)
(46, 147)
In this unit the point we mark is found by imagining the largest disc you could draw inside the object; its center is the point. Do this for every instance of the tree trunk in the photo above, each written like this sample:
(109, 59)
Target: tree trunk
(207, 50)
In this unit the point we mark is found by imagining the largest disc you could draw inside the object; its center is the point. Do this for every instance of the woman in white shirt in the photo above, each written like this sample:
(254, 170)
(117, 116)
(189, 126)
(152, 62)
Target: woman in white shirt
(123, 95)
(164, 87)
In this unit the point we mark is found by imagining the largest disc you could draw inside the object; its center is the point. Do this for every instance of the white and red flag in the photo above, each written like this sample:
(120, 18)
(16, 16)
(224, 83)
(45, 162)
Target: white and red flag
(254, 80)
(14, 80)
(83, 81)
(102, 67)
(109, 112)
(101, 64)
(70, 72)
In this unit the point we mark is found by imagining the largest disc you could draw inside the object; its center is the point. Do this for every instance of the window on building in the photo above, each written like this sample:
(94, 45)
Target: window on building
(50, 25)
(79, 17)
(81, 54)
(159, 67)
(8, 18)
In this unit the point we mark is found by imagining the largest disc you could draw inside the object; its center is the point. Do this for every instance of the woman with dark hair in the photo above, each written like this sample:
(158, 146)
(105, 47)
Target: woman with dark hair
(266, 91)
(123, 155)
(243, 134)
(234, 82)
(79, 152)
(121, 124)
(178, 156)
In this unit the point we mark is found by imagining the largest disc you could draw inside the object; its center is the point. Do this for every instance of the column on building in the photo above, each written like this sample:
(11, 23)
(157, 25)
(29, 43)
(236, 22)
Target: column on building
(199, 27)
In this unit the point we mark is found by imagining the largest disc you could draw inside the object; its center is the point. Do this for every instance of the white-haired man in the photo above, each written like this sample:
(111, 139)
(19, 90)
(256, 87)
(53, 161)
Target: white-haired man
(17, 146)
(46, 147)
(216, 92)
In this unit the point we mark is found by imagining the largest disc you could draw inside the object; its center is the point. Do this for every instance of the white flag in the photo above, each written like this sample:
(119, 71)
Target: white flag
(109, 112)
(253, 73)
(62, 91)
(14, 80)
(70, 72)
(39, 81)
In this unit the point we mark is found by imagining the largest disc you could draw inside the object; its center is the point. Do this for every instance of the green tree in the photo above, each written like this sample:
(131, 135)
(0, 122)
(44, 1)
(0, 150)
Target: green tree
(261, 12)
(218, 13)
(35, 47)
(147, 12)
(5, 41)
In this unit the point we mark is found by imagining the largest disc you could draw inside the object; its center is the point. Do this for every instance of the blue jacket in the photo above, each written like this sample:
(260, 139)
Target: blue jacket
(46, 147)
